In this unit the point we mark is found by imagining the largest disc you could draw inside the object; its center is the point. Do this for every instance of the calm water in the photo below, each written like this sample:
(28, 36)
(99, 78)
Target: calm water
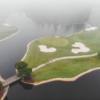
(85, 88)
(12, 50)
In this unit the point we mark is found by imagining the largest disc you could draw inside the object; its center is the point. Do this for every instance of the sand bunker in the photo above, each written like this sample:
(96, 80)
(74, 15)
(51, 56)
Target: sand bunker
(90, 28)
(79, 47)
(45, 49)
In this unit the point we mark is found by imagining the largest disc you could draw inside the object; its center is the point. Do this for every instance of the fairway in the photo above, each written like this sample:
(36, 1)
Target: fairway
(65, 68)
(72, 64)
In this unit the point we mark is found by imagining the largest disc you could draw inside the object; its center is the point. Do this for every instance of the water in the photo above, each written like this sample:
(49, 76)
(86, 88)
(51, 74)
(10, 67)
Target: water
(85, 88)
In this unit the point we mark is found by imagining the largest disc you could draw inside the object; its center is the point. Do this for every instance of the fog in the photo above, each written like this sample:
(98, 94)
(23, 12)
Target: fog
(50, 11)
(53, 13)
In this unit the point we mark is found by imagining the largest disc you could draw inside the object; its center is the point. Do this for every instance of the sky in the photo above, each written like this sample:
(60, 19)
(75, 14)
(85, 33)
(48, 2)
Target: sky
(17, 4)
(51, 9)
(24, 2)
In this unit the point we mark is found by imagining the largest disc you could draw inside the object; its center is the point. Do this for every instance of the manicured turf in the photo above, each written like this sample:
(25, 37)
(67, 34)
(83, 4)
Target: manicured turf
(54, 41)
(63, 68)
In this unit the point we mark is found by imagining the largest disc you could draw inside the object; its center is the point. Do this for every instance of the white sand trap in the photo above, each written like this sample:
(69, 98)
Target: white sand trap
(79, 47)
(90, 28)
(57, 36)
(45, 49)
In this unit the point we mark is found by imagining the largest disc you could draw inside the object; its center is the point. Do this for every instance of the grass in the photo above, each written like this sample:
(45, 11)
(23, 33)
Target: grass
(53, 41)
(63, 68)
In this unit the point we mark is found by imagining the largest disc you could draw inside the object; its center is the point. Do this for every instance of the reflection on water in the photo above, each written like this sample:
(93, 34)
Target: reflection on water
(85, 88)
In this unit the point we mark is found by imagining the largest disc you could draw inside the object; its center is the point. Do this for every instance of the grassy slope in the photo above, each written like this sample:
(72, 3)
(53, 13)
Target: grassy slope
(65, 68)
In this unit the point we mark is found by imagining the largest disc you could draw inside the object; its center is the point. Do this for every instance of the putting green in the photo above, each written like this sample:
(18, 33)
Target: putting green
(54, 41)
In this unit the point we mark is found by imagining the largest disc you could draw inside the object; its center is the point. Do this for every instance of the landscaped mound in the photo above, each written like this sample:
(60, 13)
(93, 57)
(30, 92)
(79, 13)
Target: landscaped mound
(63, 63)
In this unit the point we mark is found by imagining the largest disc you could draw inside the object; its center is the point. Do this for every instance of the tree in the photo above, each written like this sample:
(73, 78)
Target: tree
(27, 73)
(20, 65)
(23, 70)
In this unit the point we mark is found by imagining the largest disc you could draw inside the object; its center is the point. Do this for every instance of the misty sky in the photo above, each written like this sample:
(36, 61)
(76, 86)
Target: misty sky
(15, 3)
(47, 10)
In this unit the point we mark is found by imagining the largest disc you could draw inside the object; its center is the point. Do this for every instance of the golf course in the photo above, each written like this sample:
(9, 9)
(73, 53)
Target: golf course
(63, 56)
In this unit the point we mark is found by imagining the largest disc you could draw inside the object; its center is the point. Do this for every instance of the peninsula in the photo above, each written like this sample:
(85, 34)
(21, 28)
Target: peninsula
(63, 58)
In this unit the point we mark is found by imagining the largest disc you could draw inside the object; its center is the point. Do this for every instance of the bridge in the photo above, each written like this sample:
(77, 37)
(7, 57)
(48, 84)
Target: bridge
(11, 80)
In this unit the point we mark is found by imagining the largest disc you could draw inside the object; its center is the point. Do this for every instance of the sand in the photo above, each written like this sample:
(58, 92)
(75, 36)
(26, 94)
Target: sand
(45, 49)
(91, 29)
(79, 47)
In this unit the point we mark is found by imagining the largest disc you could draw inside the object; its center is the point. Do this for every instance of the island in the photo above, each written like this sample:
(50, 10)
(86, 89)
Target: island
(63, 57)
(7, 30)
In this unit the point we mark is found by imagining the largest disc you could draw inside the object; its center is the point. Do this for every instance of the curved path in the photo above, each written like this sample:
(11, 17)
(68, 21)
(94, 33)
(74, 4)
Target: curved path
(62, 58)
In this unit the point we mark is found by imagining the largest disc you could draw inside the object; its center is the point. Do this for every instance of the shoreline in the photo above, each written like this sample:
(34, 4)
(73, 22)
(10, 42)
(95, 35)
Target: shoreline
(73, 79)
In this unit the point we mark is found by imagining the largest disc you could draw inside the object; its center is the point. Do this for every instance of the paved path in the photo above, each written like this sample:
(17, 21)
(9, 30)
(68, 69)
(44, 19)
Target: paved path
(11, 80)
(62, 58)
